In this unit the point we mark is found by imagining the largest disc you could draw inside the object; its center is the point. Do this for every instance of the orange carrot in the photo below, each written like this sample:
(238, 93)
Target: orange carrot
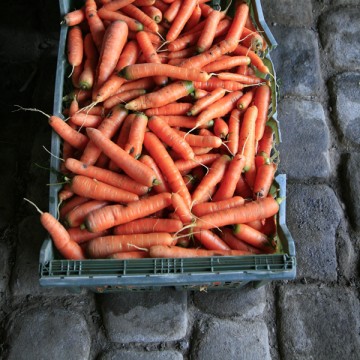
(253, 237)
(153, 12)
(184, 166)
(245, 101)
(85, 120)
(114, 215)
(162, 158)
(238, 22)
(244, 79)
(113, 43)
(116, 4)
(170, 109)
(144, 3)
(163, 185)
(255, 59)
(232, 174)
(169, 136)
(87, 77)
(108, 177)
(214, 206)
(183, 121)
(194, 18)
(226, 63)
(133, 24)
(207, 100)
(201, 140)
(214, 176)
(129, 255)
(262, 100)
(171, 12)
(136, 135)
(97, 190)
(75, 17)
(209, 240)
(243, 189)
(80, 235)
(180, 252)
(140, 16)
(138, 71)
(164, 96)
(182, 210)
(123, 98)
(104, 246)
(250, 211)
(214, 83)
(67, 248)
(264, 179)
(75, 46)
(97, 28)
(236, 244)
(221, 128)
(266, 142)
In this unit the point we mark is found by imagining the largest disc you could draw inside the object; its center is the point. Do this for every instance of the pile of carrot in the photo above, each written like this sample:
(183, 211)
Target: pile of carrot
(165, 143)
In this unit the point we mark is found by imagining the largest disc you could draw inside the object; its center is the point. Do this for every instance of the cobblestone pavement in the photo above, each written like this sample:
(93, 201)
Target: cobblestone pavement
(316, 316)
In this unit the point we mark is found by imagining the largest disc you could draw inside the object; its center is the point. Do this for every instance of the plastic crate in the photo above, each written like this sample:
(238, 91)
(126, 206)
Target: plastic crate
(217, 272)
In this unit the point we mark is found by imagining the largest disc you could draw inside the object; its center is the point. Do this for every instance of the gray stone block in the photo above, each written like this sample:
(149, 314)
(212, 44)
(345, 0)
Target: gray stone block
(288, 12)
(48, 334)
(313, 215)
(246, 302)
(8, 196)
(141, 355)
(146, 316)
(318, 322)
(345, 95)
(228, 340)
(344, 2)
(297, 62)
(351, 190)
(339, 33)
(305, 139)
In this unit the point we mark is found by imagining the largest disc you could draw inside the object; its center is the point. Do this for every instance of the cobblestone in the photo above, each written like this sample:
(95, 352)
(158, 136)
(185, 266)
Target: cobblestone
(339, 37)
(246, 302)
(352, 189)
(138, 355)
(308, 142)
(48, 334)
(145, 317)
(318, 322)
(314, 214)
(345, 94)
(297, 62)
(216, 340)
(288, 12)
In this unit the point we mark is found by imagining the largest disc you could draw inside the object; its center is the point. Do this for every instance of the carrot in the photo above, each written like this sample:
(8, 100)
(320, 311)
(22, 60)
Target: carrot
(243, 189)
(162, 158)
(97, 190)
(238, 23)
(232, 174)
(183, 121)
(106, 176)
(182, 210)
(171, 12)
(247, 136)
(115, 5)
(250, 211)
(201, 140)
(209, 240)
(262, 100)
(87, 77)
(221, 128)
(253, 237)
(132, 167)
(236, 244)
(104, 246)
(108, 128)
(153, 12)
(148, 225)
(75, 75)
(76, 216)
(214, 206)
(219, 108)
(140, 16)
(186, 9)
(214, 176)
(75, 47)
(97, 28)
(161, 5)
(129, 255)
(253, 40)
(180, 55)
(80, 235)
(113, 43)
(208, 34)
(161, 251)
(210, 55)
(199, 93)
(114, 215)
(255, 59)
(136, 135)
(214, 83)
(163, 185)
(266, 142)
(71, 204)
(65, 193)
(164, 96)
(123, 98)
(84, 120)
(169, 136)
(133, 24)
(245, 101)
(264, 179)
(244, 79)
(226, 63)
(138, 71)
(207, 100)
(75, 17)
(169, 109)
(67, 133)
(67, 248)
(185, 166)
(194, 18)
(144, 3)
